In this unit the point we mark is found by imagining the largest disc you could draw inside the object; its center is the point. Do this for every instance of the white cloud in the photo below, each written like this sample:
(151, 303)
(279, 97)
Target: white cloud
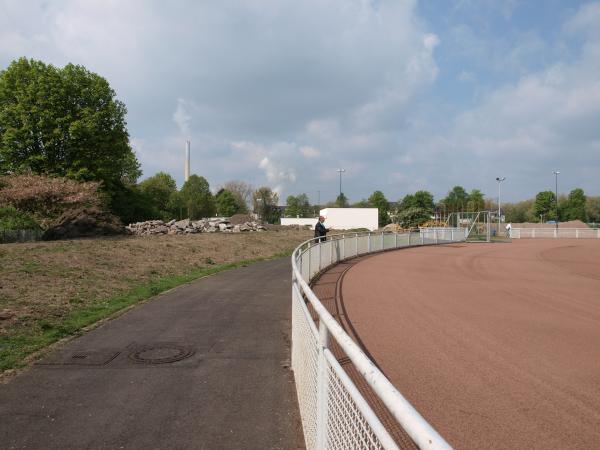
(310, 152)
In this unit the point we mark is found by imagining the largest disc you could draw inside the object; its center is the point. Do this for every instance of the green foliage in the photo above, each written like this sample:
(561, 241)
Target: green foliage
(413, 216)
(361, 204)
(420, 199)
(545, 205)
(519, 212)
(132, 205)
(575, 206)
(265, 204)
(226, 203)
(341, 201)
(378, 200)
(456, 200)
(13, 219)
(298, 206)
(65, 122)
(242, 192)
(592, 209)
(475, 201)
(197, 198)
(158, 189)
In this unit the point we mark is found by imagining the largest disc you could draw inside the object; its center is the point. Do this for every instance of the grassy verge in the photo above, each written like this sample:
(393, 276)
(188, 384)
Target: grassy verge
(49, 300)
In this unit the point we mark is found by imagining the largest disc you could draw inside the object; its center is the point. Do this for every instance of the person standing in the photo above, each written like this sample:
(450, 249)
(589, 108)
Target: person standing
(320, 230)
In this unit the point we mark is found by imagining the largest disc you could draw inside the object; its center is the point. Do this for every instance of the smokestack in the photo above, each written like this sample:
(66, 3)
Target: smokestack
(187, 160)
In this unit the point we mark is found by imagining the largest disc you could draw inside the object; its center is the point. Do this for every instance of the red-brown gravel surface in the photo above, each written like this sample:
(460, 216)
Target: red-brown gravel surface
(497, 345)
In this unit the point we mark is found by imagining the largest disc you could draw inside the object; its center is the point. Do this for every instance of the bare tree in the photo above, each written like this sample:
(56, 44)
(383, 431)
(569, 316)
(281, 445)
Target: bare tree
(242, 192)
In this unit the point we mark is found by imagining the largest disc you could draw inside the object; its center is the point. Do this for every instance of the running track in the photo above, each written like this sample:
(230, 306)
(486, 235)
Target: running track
(497, 345)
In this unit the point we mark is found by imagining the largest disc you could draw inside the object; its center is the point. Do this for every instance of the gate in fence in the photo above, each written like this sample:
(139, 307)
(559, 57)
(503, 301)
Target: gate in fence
(335, 415)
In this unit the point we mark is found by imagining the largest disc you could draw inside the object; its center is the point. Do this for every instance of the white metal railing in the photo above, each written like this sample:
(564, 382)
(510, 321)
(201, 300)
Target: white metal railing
(334, 413)
(564, 233)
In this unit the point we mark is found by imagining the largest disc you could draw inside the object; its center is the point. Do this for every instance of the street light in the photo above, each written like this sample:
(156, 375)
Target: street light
(499, 180)
(341, 171)
(556, 172)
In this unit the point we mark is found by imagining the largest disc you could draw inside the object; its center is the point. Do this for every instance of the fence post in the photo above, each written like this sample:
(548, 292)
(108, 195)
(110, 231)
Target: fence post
(555, 234)
(369, 245)
(422, 236)
(435, 236)
(309, 258)
(409, 238)
(330, 252)
(356, 242)
(322, 388)
(452, 235)
(382, 242)
(395, 239)
(577, 233)
(343, 252)
(320, 268)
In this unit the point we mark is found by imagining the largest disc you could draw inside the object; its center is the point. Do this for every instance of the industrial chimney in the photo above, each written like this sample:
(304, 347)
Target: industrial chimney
(187, 160)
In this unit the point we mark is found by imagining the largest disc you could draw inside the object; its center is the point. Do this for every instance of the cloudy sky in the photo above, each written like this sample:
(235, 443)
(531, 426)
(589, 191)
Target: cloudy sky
(403, 94)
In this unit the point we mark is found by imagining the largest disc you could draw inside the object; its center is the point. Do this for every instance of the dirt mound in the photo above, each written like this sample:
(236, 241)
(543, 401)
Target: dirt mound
(239, 219)
(84, 222)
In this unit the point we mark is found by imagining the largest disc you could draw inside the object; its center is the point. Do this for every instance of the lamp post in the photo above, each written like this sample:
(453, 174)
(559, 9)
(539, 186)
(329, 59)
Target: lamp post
(499, 180)
(341, 171)
(556, 172)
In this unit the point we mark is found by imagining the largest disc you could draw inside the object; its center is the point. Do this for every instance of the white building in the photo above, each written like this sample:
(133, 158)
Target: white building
(351, 218)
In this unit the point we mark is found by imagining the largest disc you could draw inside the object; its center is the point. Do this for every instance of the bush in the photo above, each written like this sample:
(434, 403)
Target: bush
(13, 219)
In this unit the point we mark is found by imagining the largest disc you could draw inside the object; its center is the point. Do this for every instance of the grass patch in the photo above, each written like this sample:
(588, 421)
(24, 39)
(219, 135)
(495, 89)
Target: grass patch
(16, 348)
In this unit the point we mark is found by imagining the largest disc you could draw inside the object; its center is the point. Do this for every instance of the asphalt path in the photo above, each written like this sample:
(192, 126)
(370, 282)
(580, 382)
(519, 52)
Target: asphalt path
(204, 366)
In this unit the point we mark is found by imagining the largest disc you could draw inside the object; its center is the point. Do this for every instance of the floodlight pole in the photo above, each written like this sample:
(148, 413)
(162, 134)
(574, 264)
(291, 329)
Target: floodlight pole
(556, 172)
(499, 180)
(340, 171)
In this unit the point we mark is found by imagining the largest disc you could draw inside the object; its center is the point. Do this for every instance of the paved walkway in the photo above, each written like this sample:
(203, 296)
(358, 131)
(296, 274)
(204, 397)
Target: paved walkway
(202, 366)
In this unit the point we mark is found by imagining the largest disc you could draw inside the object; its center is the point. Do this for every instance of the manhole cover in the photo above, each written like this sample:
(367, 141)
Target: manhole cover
(160, 354)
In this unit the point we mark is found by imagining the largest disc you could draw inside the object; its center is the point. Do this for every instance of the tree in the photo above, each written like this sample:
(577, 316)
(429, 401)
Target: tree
(545, 205)
(420, 199)
(197, 198)
(298, 206)
(64, 122)
(456, 200)
(413, 217)
(265, 204)
(592, 209)
(159, 189)
(341, 201)
(226, 203)
(364, 203)
(242, 193)
(519, 212)
(378, 200)
(476, 201)
(575, 206)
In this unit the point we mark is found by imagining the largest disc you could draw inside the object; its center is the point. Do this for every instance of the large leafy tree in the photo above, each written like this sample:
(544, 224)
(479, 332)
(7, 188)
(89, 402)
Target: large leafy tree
(65, 122)
(456, 200)
(159, 189)
(197, 198)
(575, 206)
(545, 205)
(226, 203)
(341, 201)
(265, 202)
(298, 206)
(378, 200)
(592, 209)
(476, 201)
(412, 217)
(242, 192)
(420, 199)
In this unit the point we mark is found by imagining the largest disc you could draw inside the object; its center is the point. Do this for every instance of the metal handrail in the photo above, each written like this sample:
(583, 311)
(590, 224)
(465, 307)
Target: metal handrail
(422, 433)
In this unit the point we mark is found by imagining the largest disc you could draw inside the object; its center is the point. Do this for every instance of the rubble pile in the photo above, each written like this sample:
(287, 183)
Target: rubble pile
(187, 226)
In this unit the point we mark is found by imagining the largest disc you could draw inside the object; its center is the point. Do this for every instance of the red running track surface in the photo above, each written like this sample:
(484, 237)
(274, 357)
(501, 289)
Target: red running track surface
(496, 345)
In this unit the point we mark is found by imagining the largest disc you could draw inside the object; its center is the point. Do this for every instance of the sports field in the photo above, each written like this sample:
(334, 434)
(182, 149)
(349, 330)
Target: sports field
(497, 345)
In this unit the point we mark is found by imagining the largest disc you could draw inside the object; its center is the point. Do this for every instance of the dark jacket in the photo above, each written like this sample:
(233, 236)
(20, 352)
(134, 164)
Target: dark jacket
(320, 230)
